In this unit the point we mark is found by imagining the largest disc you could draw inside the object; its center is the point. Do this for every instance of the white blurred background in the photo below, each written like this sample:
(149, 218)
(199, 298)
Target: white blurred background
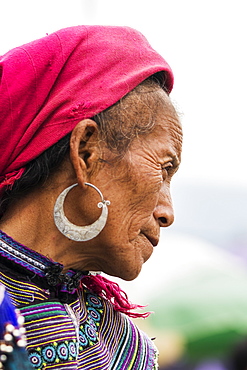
(204, 41)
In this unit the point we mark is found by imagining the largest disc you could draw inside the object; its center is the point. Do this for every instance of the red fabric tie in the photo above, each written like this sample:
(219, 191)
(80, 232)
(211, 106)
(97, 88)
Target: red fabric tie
(9, 179)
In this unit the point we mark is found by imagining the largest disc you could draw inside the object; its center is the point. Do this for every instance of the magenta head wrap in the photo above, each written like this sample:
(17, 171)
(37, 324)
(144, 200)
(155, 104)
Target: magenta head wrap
(51, 84)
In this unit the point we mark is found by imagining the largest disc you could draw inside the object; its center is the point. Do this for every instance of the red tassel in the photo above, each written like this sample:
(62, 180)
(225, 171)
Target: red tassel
(112, 292)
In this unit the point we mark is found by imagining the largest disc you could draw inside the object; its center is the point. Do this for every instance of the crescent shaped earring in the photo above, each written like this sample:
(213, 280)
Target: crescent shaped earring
(74, 232)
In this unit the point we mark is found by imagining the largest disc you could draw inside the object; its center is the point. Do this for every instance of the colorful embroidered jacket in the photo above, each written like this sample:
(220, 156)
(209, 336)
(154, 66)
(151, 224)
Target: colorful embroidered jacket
(66, 327)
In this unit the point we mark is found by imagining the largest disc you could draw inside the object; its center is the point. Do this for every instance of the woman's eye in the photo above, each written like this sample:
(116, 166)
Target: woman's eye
(168, 168)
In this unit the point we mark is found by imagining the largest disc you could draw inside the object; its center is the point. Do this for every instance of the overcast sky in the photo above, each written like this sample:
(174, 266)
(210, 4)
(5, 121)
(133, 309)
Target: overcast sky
(205, 44)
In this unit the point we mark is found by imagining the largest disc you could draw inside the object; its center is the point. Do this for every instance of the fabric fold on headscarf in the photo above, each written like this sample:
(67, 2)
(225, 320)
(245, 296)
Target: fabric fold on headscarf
(49, 85)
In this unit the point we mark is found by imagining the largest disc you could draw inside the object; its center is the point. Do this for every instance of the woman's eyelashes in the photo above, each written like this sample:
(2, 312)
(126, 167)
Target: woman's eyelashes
(167, 169)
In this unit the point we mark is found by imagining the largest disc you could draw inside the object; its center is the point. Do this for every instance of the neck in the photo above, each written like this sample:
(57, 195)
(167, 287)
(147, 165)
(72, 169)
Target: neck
(30, 222)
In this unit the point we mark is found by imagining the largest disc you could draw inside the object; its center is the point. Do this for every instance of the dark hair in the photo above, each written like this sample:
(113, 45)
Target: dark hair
(37, 172)
(119, 125)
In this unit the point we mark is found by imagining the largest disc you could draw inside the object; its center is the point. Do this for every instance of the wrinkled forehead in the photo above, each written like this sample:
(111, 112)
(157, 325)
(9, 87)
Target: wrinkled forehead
(167, 119)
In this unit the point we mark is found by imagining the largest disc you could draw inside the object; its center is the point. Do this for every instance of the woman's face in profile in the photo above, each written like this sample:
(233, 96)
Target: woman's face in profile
(138, 188)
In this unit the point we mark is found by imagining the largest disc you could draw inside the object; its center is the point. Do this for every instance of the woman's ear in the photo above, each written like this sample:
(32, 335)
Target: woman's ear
(84, 149)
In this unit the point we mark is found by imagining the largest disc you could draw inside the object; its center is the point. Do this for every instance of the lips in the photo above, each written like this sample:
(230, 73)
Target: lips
(152, 239)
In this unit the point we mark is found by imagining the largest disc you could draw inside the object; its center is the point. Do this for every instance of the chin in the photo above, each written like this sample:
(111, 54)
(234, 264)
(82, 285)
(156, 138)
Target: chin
(147, 256)
(130, 274)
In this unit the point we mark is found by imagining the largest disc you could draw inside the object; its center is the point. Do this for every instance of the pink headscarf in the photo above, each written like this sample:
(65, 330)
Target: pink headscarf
(51, 84)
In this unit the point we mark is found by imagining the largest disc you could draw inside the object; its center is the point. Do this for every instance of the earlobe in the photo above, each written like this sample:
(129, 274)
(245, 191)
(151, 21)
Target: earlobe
(84, 148)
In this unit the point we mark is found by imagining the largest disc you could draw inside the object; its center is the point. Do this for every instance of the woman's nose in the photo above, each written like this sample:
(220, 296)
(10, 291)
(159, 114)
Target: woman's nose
(163, 212)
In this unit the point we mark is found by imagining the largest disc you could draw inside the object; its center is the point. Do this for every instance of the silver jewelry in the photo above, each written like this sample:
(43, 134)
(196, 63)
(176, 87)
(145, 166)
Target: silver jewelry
(74, 232)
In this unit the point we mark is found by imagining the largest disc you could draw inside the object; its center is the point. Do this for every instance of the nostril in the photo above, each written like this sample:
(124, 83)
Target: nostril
(164, 215)
(163, 221)
(166, 221)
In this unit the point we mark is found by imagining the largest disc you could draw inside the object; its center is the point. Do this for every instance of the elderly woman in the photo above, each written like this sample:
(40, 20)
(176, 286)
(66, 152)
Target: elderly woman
(89, 143)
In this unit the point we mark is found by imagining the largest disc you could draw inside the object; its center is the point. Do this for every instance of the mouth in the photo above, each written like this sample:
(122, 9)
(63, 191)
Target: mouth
(152, 239)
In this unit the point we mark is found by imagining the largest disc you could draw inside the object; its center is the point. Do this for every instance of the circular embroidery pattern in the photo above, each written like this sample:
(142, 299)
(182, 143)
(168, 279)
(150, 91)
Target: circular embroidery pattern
(94, 314)
(36, 359)
(72, 349)
(62, 351)
(49, 353)
(83, 339)
(92, 324)
(90, 333)
(94, 301)
(53, 353)
(89, 329)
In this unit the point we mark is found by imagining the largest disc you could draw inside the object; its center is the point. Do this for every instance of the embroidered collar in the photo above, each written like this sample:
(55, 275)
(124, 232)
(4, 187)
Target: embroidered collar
(39, 265)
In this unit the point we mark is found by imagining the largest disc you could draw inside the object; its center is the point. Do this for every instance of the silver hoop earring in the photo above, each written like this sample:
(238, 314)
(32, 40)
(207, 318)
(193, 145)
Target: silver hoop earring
(74, 232)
